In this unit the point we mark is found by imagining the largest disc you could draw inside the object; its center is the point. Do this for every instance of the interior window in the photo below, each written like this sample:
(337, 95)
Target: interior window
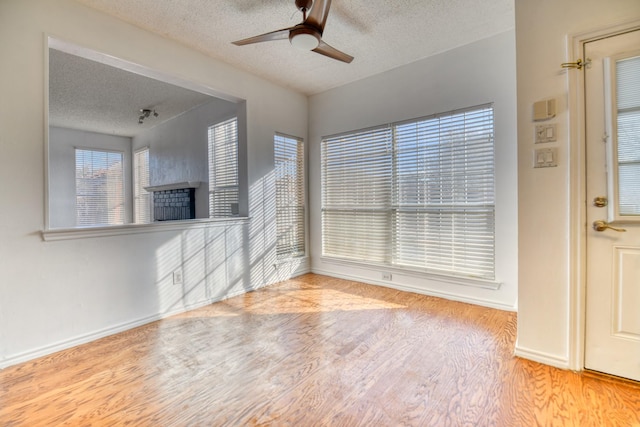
(160, 126)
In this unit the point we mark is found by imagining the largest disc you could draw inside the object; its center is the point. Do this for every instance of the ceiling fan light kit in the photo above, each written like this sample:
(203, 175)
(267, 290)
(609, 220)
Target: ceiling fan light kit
(308, 34)
(304, 38)
(146, 112)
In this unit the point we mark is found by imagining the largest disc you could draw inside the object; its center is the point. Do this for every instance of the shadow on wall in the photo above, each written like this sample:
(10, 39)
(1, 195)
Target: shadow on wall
(208, 264)
(201, 265)
(264, 266)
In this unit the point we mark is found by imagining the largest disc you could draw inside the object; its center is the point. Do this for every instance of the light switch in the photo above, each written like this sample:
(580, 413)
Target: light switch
(546, 133)
(545, 157)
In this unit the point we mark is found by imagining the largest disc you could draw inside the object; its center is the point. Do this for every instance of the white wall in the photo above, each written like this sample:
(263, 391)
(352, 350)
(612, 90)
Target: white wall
(56, 294)
(475, 74)
(178, 148)
(542, 27)
(62, 170)
(60, 293)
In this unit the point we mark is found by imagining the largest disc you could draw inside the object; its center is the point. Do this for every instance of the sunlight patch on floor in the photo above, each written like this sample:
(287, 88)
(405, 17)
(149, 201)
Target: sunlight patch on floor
(290, 302)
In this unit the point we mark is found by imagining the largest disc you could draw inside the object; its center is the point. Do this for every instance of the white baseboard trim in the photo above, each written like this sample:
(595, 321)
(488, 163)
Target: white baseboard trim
(430, 292)
(93, 336)
(542, 357)
(301, 270)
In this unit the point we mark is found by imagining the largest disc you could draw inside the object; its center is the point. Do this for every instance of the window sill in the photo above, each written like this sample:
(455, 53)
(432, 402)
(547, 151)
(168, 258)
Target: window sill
(126, 229)
(419, 273)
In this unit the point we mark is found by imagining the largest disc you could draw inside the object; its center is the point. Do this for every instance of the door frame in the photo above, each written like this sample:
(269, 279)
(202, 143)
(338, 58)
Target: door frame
(578, 188)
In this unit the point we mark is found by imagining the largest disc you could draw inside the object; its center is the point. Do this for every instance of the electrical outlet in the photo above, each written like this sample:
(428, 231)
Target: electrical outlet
(177, 277)
(386, 276)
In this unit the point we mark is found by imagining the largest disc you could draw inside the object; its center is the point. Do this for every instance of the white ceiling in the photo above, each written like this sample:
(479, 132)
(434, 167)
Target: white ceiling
(380, 34)
(92, 96)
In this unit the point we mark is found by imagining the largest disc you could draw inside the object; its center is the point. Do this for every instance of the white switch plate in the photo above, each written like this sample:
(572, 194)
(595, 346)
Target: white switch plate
(546, 133)
(545, 157)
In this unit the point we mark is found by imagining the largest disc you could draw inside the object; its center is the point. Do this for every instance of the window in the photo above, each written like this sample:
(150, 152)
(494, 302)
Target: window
(141, 197)
(627, 113)
(290, 210)
(417, 194)
(99, 187)
(223, 169)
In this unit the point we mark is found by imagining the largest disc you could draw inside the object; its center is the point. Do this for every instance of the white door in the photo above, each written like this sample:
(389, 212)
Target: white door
(612, 98)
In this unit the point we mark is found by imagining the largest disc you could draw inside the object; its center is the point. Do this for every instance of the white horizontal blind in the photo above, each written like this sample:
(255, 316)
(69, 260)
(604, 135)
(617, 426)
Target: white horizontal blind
(290, 209)
(444, 193)
(223, 169)
(356, 195)
(416, 194)
(142, 198)
(628, 135)
(99, 187)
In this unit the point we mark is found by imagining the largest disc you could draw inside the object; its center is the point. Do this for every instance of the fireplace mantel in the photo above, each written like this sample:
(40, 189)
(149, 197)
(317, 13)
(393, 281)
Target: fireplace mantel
(174, 186)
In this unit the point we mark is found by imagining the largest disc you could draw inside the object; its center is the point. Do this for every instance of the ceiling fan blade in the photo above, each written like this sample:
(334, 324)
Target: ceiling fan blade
(331, 52)
(318, 15)
(267, 37)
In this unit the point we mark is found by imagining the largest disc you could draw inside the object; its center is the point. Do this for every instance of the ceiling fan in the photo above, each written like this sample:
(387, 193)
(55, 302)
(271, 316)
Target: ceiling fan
(306, 35)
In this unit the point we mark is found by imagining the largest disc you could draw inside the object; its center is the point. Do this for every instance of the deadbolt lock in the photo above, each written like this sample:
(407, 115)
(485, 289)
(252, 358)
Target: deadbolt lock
(600, 202)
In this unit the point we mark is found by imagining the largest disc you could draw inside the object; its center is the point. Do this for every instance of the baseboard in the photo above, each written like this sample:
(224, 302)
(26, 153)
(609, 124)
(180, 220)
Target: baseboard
(301, 271)
(122, 327)
(542, 357)
(429, 292)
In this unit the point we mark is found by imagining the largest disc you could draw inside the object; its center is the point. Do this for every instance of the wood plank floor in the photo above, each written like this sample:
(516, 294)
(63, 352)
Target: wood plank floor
(313, 351)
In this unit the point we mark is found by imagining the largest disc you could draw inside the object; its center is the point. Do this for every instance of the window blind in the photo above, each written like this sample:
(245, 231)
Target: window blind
(416, 194)
(290, 207)
(628, 143)
(356, 195)
(223, 169)
(99, 187)
(142, 198)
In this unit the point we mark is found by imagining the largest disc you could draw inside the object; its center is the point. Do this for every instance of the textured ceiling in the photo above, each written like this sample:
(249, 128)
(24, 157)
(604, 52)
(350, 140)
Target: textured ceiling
(88, 95)
(380, 34)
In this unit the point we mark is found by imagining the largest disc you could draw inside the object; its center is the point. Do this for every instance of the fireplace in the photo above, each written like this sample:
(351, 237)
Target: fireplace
(172, 205)
(174, 202)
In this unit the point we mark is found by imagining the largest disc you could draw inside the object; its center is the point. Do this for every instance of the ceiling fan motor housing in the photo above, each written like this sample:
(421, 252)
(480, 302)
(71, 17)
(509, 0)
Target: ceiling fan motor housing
(304, 5)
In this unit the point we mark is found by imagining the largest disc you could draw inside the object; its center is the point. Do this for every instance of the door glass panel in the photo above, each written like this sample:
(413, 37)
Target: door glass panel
(628, 135)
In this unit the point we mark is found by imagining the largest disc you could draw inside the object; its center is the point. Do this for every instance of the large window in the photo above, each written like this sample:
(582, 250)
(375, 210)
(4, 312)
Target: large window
(99, 187)
(223, 169)
(290, 211)
(416, 194)
(141, 197)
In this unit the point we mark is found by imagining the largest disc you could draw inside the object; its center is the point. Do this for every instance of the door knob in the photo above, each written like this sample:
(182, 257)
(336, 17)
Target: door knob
(601, 225)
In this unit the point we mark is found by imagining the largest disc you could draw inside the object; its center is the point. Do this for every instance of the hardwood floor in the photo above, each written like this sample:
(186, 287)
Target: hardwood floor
(313, 351)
